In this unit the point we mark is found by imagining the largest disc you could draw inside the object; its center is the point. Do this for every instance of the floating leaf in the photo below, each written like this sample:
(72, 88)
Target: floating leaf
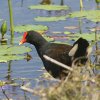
(97, 1)
(50, 19)
(88, 36)
(71, 27)
(95, 29)
(56, 32)
(67, 32)
(7, 58)
(93, 15)
(2, 83)
(8, 53)
(11, 50)
(24, 28)
(49, 7)
(59, 42)
(49, 39)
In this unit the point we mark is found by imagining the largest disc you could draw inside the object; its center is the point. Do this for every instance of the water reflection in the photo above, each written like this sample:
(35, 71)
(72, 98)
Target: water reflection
(8, 77)
(62, 2)
(22, 1)
(80, 25)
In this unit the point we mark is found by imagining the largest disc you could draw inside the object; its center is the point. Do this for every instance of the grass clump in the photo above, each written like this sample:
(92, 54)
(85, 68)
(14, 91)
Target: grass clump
(81, 84)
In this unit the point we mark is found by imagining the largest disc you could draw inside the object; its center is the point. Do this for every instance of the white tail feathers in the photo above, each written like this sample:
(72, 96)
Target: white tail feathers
(89, 50)
(73, 50)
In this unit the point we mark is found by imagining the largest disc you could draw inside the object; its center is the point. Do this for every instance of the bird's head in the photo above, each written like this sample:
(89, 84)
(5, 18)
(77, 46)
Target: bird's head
(33, 38)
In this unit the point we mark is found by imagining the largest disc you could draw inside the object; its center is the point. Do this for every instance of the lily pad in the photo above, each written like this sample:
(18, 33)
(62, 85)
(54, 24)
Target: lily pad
(50, 19)
(97, 1)
(8, 53)
(49, 39)
(2, 83)
(66, 32)
(11, 50)
(93, 15)
(11, 57)
(24, 28)
(49, 7)
(87, 36)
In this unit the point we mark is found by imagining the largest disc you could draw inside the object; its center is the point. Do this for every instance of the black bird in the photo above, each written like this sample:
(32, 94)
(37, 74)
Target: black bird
(61, 52)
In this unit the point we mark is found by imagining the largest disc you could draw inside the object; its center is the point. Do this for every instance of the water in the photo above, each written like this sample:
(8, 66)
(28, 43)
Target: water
(33, 69)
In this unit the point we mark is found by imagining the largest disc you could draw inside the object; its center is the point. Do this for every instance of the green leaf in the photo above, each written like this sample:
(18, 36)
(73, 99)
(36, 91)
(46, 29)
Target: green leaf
(87, 36)
(49, 7)
(97, 1)
(67, 32)
(50, 19)
(93, 15)
(8, 53)
(2, 83)
(10, 50)
(6, 58)
(49, 39)
(24, 28)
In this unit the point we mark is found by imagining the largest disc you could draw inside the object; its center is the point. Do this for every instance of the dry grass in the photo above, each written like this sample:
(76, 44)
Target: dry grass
(81, 84)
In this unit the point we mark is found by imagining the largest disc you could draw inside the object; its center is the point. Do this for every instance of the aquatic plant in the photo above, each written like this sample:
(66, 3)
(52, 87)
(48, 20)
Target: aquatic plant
(93, 15)
(88, 36)
(50, 19)
(11, 18)
(8, 52)
(28, 27)
(49, 7)
(3, 29)
(97, 1)
(81, 4)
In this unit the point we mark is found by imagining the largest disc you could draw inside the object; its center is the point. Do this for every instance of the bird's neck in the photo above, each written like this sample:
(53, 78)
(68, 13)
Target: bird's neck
(40, 43)
(37, 40)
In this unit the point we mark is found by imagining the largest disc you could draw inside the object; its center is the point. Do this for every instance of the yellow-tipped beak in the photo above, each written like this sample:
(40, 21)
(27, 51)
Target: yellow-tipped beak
(20, 43)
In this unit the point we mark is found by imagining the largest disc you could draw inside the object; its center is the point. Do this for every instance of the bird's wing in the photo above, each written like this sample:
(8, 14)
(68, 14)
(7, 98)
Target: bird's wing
(60, 55)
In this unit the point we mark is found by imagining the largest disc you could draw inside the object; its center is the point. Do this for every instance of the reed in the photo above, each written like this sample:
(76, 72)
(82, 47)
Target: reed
(11, 18)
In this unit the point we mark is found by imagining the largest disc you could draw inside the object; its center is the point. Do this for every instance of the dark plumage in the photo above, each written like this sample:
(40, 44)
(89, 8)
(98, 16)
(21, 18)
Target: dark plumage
(59, 52)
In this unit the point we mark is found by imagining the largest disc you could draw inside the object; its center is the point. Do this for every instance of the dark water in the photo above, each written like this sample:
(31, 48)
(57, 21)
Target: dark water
(33, 69)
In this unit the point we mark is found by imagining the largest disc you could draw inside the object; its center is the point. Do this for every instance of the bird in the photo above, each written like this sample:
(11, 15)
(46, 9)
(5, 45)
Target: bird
(61, 52)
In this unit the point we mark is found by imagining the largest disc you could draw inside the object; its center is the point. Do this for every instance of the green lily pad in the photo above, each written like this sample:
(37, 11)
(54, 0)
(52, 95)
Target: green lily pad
(49, 39)
(97, 1)
(49, 7)
(11, 50)
(87, 36)
(11, 57)
(66, 32)
(24, 28)
(50, 19)
(59, 42)
(93, 15)
(8, 53)
(2, 83)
